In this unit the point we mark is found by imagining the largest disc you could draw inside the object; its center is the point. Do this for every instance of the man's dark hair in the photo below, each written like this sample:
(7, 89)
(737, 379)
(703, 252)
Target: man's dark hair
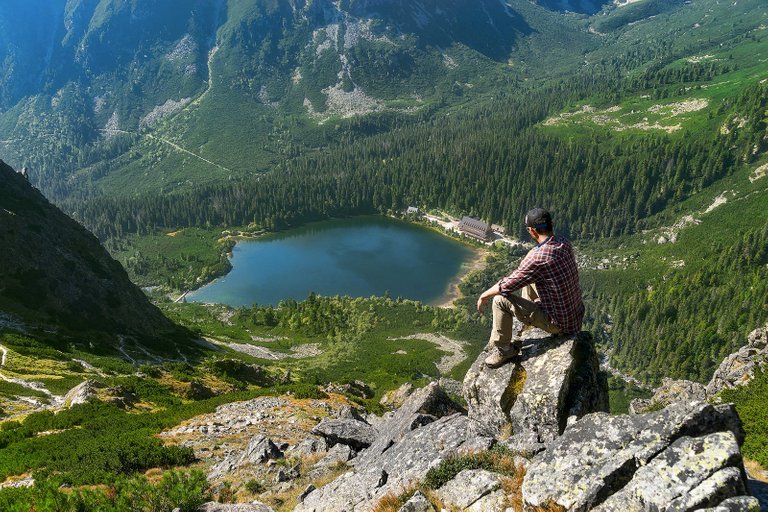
(539, 219)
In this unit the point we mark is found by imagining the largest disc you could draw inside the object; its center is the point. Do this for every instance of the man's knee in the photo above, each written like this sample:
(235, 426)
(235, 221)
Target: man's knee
(498, 300)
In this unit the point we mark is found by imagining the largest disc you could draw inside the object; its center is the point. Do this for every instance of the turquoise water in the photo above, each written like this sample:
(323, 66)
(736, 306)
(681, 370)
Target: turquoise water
(360, 257)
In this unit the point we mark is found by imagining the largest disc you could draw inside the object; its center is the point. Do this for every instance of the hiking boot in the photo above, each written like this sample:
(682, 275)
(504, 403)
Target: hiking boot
(498, 356)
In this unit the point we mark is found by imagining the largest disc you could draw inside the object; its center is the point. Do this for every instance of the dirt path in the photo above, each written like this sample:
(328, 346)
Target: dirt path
(455, 348)
(56, 400)
(179, 148)
(169, 143)
(300, 352)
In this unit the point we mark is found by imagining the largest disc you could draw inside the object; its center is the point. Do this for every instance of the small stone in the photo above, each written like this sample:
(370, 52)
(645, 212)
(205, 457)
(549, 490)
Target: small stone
(306, 492)
(417, 503)
(737, 504)
(354, 433)
(236, 507)
(526, 444)
(468, 487)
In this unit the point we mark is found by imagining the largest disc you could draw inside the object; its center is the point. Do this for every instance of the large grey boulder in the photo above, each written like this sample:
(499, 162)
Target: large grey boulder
(468, 487)
(405, 462)
(235, 507)
(618, 461)
(310, 445)
(422, 407)
(669, 392)
(689, 474)
(736, 504)
(417, 503)
(82, 393)
(555, 381)
(411, 440)
(351, 432)
(259, 450)
(395, 398)
(739, 368)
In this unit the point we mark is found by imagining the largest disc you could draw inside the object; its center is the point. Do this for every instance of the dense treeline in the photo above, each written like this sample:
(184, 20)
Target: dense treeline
(490, 164)
(685, 324)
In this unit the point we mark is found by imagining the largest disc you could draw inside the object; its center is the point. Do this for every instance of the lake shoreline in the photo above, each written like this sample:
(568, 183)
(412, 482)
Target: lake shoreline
(453, 293)
(435, 282)
(446, 300)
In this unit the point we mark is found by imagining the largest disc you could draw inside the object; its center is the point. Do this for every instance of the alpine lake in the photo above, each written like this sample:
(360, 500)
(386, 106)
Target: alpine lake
(359, 257)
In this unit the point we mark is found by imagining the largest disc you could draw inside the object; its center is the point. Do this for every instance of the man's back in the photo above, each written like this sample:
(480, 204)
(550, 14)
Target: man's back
(551, 266)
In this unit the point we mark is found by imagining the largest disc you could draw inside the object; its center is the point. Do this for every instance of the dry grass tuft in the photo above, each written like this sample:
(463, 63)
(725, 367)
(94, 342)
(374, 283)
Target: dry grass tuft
(393, 502)
(513, 489)
(552, 506)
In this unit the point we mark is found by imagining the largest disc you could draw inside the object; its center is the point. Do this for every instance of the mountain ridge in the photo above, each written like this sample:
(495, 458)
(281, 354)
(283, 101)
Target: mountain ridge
(56, 274)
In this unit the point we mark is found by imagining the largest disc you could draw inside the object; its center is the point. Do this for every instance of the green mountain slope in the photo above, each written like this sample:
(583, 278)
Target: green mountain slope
(217, 90)
(54, 274)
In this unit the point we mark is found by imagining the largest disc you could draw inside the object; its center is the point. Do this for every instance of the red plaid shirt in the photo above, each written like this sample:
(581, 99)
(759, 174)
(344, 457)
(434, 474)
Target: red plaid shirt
(551, 266)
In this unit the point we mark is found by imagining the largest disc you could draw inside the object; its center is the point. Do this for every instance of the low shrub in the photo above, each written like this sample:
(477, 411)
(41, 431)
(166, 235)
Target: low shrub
(176, 489)
(498, 459)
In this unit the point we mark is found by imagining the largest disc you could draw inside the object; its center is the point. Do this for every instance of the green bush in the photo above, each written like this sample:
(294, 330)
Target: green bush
(750, 403)
(254, 486)
(187, 491)
(498, 459)
(148, 389)
(239, 373)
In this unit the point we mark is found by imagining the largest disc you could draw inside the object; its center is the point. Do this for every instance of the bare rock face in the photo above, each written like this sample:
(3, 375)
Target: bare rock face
(259, 450)
(669, 392)
(739, 368)
(235, 507)
(417, 503)
(396, 397)
(81, 393)
(684, 457)
(354, 433)
(428, 428)
(555, 381)
(469, 488)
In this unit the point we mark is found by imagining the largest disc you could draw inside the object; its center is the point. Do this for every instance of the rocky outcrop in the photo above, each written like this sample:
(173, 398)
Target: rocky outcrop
(405, 461)
(473, 489)
(354, 433)
(235, 507)
(669, 392)
(426, 429)
(82, 393)
(683, 457)
(739, 368)
(259, 450)
(736, 370)
(53, 272)
(555, 381)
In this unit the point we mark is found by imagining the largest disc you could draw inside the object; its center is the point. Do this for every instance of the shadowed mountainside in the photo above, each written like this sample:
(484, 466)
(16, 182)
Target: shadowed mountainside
(54, 272)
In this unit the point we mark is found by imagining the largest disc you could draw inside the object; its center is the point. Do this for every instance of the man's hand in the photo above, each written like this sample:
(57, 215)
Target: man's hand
(487, 295)
(481, 302)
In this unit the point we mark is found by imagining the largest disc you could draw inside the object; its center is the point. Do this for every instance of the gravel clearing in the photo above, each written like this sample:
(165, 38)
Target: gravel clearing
(455, 348)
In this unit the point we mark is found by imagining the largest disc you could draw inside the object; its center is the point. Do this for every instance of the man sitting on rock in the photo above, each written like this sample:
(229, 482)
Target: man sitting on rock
(551, 295)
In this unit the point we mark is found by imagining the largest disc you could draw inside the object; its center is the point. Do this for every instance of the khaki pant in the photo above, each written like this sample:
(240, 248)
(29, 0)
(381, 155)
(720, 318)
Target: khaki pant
(505, 310)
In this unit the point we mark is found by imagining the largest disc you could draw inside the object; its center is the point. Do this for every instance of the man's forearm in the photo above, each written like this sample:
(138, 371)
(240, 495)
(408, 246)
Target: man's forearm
(491, 292)
(486, 296)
